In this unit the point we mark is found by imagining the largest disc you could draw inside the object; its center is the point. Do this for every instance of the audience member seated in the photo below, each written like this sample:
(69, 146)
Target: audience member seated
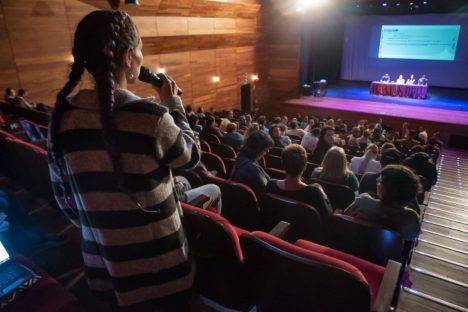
(253, 127)
(335, 169)
(9, 96)
(411, 80)
(185, 193)
(295, 130)
(193, 122)
(325, 142)
(340, 138)
(386, 146)
(200, 112)
(366, 163)
(20, 100)
(422, 135)
(232, 137)
(247, 170)
(396, 187)
(364, 140)
(294, 159)
(211, 128)
(284, 138)
(368, 183)
(354, 136)
(422, 164)
(278, 139)
(309, 141)
(410, 140)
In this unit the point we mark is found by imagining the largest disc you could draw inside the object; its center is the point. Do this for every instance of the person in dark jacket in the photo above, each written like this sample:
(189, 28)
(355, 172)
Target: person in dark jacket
(247, 170)
(325, 142)
(422, 164)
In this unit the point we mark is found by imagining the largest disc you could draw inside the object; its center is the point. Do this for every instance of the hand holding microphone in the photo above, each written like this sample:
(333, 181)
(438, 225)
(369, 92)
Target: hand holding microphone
(165, 85)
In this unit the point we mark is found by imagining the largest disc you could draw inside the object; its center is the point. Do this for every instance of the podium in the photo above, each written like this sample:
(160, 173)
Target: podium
(319, 88)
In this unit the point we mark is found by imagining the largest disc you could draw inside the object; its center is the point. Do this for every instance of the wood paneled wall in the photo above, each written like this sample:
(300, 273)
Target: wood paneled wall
(193, 40)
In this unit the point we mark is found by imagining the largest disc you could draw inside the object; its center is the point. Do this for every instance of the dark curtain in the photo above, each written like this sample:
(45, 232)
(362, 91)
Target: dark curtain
(321, 46)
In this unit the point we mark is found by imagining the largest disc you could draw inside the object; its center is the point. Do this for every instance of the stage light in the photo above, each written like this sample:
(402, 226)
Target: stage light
(384, 4)
(254, 77)
(216, 79)
(305, 4)
(397, 4)
(425, 2)
(132, 2)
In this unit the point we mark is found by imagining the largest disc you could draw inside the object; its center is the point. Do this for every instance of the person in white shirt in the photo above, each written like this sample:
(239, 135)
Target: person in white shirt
(400, 80)
(309, 141)
(366, 163)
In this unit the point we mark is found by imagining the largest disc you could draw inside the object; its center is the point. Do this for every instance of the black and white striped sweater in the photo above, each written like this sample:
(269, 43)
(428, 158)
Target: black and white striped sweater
(139, 255)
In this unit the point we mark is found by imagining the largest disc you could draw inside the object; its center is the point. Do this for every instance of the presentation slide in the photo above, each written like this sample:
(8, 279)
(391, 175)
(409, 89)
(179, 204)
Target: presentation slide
(419, 42)
(434, 45)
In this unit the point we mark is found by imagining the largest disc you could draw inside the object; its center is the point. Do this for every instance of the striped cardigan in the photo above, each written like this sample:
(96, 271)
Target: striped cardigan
(139, 255)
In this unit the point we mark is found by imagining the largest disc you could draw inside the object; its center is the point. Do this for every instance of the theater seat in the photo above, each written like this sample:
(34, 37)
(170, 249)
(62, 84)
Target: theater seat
(340, 196)
(240, 205)
(304, 219)
(310, 277)
(214, 244)
(223, 150)
(366, 240)
(214, 163)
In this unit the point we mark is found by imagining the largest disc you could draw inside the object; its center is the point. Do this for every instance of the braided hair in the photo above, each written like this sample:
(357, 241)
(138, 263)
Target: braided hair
(101, 39)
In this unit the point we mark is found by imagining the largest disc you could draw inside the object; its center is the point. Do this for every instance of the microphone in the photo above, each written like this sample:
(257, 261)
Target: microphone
(146, 75)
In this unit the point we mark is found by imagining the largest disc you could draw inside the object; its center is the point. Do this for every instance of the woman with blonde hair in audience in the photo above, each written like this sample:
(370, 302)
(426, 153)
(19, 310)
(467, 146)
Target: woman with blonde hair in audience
(335, 169)
(366, 163)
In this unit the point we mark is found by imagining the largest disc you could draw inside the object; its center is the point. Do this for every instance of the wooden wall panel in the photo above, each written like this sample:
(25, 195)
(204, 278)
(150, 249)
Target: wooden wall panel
(43, 81)
(193, 40)
(38, 31)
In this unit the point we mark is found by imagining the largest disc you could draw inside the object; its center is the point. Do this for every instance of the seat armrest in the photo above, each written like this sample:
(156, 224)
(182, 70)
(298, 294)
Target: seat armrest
(199, 201)
(387, 287)
(280, 229)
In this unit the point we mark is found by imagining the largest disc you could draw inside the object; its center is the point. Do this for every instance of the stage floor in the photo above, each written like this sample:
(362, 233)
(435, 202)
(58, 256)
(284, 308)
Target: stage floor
(384, 109)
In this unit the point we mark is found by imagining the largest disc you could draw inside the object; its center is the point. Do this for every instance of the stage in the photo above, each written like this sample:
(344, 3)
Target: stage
(445, 110)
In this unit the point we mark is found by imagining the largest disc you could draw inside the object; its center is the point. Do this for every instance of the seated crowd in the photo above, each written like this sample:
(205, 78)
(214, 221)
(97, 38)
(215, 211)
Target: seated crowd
(386, 169)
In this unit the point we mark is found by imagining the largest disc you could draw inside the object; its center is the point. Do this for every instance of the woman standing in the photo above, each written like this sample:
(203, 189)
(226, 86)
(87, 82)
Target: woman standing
(111, 154)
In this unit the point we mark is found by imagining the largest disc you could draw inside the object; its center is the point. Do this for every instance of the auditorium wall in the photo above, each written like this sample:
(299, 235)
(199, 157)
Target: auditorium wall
(193, 40)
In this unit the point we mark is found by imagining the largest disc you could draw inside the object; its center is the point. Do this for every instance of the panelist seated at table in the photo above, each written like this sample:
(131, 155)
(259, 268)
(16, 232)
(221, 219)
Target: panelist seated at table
(385, 78)
(411, 80)
(400, 80)
(423, 80)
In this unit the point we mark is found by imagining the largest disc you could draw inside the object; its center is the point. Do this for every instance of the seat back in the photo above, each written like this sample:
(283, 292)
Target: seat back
(214, 245)
(290, 278)
(275, 151)
(309, 169)
(366, 240)
(211, 138)
(223, 150)
(340, 196)
(273, 161)
(304, 219)
(229, 163)
(214, 163)
(240, 204)
(205, 146)
(275, 173)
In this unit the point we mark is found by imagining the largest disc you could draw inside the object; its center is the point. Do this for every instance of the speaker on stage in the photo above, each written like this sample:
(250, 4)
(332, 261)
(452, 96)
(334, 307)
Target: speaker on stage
(246, 98)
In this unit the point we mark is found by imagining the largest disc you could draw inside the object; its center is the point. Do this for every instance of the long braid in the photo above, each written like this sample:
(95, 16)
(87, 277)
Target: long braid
(106, 91)
(61, 105)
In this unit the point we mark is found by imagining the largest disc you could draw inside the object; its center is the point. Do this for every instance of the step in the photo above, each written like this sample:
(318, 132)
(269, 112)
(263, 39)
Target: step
(424, 281)
(442, 252)
(442, 266)
(445, 231)
(446, 240)
(447, 206)
(456, 220)
(458, 199)
(460, 215)
(409, 302)
(446, 223)
(448, 190)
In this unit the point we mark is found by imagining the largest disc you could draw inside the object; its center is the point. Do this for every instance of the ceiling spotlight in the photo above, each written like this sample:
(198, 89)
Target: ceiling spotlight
(384, 4)
(398, 4)
(132, 2)
(425, 2)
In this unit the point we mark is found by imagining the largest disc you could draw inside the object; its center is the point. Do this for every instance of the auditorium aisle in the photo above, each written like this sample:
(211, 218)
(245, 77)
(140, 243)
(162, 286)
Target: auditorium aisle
(439, 265)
